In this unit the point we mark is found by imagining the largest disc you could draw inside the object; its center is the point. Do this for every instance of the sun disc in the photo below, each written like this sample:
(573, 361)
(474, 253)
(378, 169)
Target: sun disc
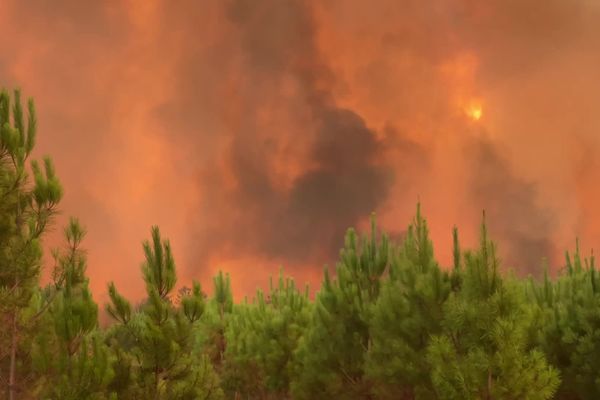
(474, 111)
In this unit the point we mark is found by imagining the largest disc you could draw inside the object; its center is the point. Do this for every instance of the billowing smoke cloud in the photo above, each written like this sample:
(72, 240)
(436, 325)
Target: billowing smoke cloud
(343, 173)
(255, 132)
(515, 218)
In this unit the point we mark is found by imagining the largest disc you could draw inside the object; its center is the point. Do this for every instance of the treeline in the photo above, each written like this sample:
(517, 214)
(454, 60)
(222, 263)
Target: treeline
(389, 323)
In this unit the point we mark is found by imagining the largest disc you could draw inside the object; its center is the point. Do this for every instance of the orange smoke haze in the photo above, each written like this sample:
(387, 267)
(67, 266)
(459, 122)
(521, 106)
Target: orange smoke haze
(254, 132)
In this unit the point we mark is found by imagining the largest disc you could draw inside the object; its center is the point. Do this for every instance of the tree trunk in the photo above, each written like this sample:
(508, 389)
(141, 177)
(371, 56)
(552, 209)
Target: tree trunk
(489, 388)
(13, 359)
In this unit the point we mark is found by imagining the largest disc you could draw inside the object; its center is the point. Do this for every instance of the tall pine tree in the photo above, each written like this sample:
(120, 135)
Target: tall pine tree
(73, 361)
(155, 348)
(483, 351)
(26, 210)
(331, 355)
(408, 311)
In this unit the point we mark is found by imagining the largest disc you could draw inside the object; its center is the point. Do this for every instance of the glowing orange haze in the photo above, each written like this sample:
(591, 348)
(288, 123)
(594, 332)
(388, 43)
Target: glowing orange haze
(255, 132)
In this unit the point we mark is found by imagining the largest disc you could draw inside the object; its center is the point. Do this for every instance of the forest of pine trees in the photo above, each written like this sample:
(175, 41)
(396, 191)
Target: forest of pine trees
(388, 323)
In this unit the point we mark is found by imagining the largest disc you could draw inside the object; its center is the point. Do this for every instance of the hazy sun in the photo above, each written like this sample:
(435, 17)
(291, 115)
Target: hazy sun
(474, 111)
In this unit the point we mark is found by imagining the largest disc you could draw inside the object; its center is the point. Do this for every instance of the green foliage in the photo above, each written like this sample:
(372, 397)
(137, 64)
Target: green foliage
(154, 348)
(212, 337)
(159, 268)
(261, 340)
(483, 351)
(71, 358)
(192, 304)
(408, 311)
(568, 325)
(26, 210)
(331, 354)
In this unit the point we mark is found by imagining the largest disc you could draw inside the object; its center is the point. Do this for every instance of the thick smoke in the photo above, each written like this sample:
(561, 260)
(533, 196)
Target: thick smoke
(343, 175)
(515, 219)
(255, 132)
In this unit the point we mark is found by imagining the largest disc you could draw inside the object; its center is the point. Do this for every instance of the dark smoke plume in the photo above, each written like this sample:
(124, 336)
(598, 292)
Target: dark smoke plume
(520, 225)
(343, 177)
(254, 132)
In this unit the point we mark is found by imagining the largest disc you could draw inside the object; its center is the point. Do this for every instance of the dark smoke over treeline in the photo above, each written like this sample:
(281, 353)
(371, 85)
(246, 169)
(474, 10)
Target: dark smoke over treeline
(256, 132)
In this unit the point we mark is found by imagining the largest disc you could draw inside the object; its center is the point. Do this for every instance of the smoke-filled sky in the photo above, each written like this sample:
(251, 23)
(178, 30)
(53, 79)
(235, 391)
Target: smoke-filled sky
(254, 132)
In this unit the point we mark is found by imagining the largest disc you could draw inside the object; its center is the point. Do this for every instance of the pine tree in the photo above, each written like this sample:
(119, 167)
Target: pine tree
(217, 316)
(483, 350)
(568, 326)
(408, 311)
(331, 354)
(261, 340)
(155, 347)
(210, 337)
(71, 356)
(25, 212)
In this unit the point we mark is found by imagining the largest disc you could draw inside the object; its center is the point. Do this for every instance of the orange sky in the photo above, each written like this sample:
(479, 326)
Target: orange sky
(254, 132)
